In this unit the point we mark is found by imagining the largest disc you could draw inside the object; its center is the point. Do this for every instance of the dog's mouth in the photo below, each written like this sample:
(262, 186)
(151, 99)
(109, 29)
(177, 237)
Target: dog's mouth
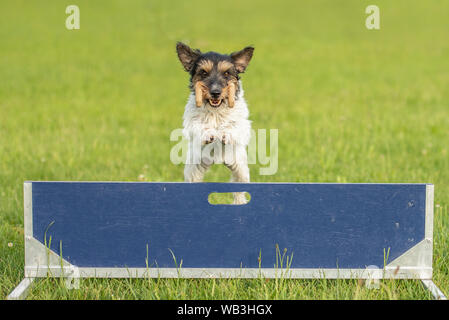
(215, 102)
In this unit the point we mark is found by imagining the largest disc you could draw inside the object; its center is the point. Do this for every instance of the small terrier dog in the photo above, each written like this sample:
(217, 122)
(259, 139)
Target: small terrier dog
(216, 114)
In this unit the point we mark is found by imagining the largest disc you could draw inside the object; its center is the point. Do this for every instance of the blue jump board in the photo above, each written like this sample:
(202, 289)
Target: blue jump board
(109, 224)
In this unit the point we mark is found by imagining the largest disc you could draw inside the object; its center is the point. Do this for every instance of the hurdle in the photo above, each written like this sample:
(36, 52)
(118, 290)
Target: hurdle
(169, 230)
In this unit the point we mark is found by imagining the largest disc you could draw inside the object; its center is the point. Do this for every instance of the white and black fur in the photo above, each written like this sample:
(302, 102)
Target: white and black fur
(216, 113)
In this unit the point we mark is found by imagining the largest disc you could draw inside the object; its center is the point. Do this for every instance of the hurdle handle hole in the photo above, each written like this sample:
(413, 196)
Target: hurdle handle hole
(229, 198)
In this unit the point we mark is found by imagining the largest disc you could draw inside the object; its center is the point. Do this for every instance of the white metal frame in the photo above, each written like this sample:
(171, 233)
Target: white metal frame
(40, 261)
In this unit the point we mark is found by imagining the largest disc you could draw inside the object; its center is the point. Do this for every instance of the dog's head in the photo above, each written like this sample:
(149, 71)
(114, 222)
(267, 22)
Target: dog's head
(214, 76)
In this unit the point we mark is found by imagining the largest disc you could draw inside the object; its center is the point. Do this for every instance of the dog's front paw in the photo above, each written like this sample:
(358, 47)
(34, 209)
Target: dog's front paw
(226, 138)
(209, 136)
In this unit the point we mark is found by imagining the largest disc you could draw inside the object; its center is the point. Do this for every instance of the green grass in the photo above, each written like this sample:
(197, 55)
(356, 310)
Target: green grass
(351, 105)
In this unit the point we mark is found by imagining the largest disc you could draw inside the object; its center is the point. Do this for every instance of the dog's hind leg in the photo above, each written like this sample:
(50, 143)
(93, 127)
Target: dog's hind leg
(195, 172)
(239, 172)
(196, 163)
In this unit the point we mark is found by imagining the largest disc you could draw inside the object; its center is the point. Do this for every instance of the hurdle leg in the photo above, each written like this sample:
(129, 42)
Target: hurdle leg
(20, 292)
(432, 287)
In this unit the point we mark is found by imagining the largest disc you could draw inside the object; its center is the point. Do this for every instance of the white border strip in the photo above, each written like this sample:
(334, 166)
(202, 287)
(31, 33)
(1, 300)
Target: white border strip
(387, 273)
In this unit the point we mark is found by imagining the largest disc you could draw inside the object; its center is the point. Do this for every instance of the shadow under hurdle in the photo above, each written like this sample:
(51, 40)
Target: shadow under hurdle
(132, 230)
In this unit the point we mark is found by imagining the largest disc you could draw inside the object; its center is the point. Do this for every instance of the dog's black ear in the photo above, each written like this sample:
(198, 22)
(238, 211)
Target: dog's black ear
(242, 58)
(187, 56)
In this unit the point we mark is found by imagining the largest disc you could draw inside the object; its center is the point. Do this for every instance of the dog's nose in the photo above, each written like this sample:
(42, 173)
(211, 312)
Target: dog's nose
(215, 93)
(215, 90)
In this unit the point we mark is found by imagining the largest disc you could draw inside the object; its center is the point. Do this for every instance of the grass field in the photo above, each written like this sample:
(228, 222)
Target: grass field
(99, 103)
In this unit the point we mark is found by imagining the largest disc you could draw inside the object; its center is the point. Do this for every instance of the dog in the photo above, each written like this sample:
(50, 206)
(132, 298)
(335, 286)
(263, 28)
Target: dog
(216, 114)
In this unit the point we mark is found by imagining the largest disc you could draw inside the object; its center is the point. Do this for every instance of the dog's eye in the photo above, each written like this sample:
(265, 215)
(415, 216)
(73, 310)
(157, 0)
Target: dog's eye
(204, 73)
(226, 73)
